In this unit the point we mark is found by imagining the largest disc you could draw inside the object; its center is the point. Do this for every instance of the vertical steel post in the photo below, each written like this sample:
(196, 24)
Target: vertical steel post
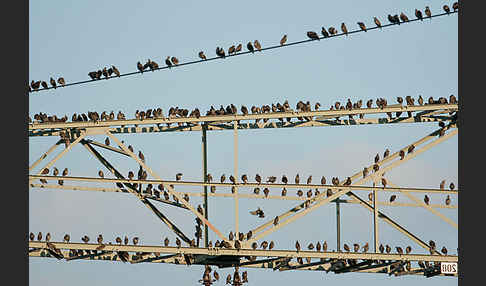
(375, 217)
(338, 225)
(205, 177)
(236, 176)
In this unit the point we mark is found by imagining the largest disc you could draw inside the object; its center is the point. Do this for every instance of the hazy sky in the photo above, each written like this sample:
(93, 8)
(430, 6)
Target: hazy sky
(72, 38)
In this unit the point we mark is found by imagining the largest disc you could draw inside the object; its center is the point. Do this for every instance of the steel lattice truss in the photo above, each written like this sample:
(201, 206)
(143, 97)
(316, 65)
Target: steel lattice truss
(243, 255)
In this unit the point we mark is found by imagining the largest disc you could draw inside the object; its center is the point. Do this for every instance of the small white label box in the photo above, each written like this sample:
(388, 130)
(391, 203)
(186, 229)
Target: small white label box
(448, 267)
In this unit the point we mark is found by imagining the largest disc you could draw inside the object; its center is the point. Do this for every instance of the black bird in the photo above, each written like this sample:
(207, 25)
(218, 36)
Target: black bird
(377, 22)
(362, 26)
(53, 82)
(168, 62)
(393, 198)
(427, 12)
(332, 31)
(324, 32)
(220, 52)
(455, 6)
(312, 35)
(202, 55)
(139, 67)
(249, 46)
(297, 245)
(446, 9)
(418, 14)
(426, 200)
(44, 84)
(32, 236)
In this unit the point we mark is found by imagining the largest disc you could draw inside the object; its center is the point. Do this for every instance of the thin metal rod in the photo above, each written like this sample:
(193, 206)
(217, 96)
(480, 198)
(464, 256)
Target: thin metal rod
(43, 156)
(243, 53)
(427, 207)
(205, 179)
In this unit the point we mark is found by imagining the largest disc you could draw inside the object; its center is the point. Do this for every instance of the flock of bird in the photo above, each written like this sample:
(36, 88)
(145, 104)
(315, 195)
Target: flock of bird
(301, 106)
(251, 47)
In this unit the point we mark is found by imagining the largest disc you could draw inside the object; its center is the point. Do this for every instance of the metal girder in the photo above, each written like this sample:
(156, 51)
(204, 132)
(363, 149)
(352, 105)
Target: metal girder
(425, 206)
(132, 190)
(169, 188)
(45, 129)
(248, 196)
(250, 252)
(43, 156)
(248, 185)
(107, 147)
(319, 201)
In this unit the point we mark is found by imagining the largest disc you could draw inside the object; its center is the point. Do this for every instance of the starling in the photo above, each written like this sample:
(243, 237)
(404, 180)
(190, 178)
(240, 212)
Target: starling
(377, 158)
(100, 173)
(284, 192)
(323, 180)
(356, 247)
(257, 45)
(426, 200)
(107, 141)
(365, 172)
(399, 250)
(275, 221)
(297, 245)
(392, 198)
(266, 191)
(231, 50)
(125, 240)
(377, 22)
(324, 246)
(258, 178)
(370, 197)
(168, 62)
(32, 236)
(178, 176)
(250, 48)
(362, 26)
(284, 179)
(451, 186)
(178, 242)
(141, 156)
(53, 83)
(61, 81)
(216, 275)
(403, 17)
(299, 193)
(444, 250)
(411, 148)
(312, 35)
(39, 236)
(418, 14)
(85, 239)
(310, 246)
(283, 40)
(309, 180)
(309, 193)
(455, 6)
(387, 152)
(408, 249)
(256, 191)
(202, 55)
(344, 29)
(388, 249)
(139, 67)
(346, 247)
(135, 240)
(232, 179)
(297, 179)
(402, 154)
(100, 239)
(446, 9)
(448, 200)
(223, 178)
(175, 61)
(118, 240)
(44, 84)
(381, 248)
(244, 178)
(427, 12)
(238, 48)
(271, 245)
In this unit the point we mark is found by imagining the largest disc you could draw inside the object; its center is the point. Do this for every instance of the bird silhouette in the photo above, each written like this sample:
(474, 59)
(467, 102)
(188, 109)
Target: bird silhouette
(61, 81)
(44, 84)
(174, 60)
(168, 62)
(455, 6)
(362, 26)
(419, 15)
(250, 48)
(312, 35)
(344, 29)
(283, 40)
(297, 245)
(427, 12)
(451, 186)
(238, 48)
(309, 180)
(377, 22)
(446, 9)
(393, 198)
(426, 200)
(53, 83)
(448, 200)
(403, 17)
(202, 55)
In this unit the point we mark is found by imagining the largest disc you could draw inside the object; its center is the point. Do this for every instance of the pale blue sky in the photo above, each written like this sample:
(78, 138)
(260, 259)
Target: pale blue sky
(72, 38)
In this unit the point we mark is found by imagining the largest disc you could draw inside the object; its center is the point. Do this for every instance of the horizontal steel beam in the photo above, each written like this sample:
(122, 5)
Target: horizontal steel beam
(249, 252)
(239, 117)
(197, 193)
(240, 185)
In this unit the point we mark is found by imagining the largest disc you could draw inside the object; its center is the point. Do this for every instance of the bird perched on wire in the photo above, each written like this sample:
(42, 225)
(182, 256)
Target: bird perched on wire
(313, 35)
(178, 176)
(271, 179)
(362, 26)
(168, 62)
(297, 245)
(231, 50)
(344, 29)
(377, 22)
(346, 247)
(232, 179)
(174, 60)
(141, 156)
(442, 184)
(455, 6)
(451, 186)
(44, 84)
(202, 55)
(419, 15)
(257, 45)
(402, 154)
(250, 47)
(393, 198)
(220, 52)
(427, 12)
(403, 17)
(446, 9)
(324, 32)
(309, 180)
(283, 40)
(53, 83)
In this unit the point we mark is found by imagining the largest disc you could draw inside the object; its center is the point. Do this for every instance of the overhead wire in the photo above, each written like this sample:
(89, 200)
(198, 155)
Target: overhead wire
(247, 52)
